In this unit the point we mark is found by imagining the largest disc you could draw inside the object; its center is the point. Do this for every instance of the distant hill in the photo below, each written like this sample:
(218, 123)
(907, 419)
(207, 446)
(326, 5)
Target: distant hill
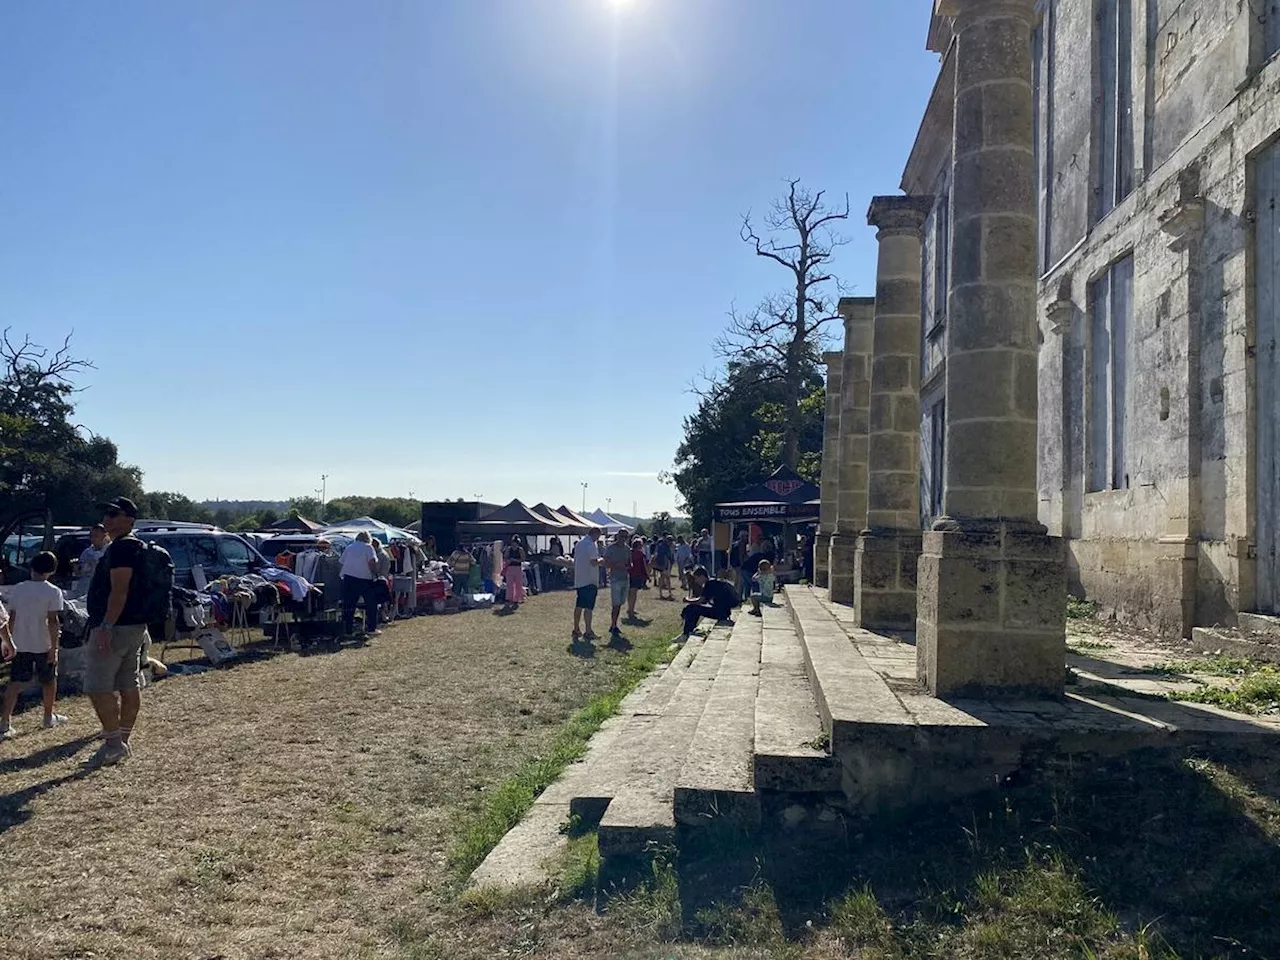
(645, 521)
(247, 506)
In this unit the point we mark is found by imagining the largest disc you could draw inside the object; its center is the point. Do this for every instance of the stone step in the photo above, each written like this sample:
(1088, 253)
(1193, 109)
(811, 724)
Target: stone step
(527, 855)
(848, 690)
(791, 753)
(717, 779)
(680, 691)
(632, 791)
(1255, 645)
(1260, 626)
(664, 686)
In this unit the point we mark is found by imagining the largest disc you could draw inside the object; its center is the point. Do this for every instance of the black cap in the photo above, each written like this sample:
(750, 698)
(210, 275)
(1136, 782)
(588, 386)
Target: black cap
(120, 505)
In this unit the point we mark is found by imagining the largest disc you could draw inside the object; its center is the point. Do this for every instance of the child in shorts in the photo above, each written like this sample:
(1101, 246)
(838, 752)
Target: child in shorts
(35, 631)
(762, 586)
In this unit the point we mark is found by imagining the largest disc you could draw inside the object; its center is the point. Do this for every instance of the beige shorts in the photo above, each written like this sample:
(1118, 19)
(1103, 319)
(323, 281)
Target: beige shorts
(116, 668)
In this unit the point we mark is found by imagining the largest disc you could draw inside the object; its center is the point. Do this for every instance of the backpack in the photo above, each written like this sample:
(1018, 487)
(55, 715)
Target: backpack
(154, 596)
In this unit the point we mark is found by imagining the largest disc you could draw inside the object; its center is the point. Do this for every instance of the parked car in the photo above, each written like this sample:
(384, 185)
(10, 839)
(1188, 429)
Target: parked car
(272, 547)
(217, 552)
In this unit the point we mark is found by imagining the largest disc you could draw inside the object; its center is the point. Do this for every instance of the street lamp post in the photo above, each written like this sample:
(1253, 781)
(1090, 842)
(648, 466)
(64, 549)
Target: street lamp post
(584, 496)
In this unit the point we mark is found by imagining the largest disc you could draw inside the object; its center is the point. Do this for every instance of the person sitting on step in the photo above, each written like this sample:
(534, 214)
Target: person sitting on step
(762, 587)
(715, 599)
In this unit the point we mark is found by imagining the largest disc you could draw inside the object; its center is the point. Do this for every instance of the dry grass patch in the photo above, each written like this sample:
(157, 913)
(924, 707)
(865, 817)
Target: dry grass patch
(297, 806)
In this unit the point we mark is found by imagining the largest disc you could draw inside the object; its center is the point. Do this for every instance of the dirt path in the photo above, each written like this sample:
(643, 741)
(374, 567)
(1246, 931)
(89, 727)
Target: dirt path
(298, 806)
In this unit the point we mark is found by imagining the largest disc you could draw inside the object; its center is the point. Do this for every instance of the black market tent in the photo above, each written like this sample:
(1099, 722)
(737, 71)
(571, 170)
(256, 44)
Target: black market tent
(577, 518)
(301, 524)
(566, 525)
(507, 521)
(786, 497)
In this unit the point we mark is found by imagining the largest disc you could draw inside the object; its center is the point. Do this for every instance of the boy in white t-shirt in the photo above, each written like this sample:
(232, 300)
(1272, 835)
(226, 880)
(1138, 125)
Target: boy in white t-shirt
(34, 606)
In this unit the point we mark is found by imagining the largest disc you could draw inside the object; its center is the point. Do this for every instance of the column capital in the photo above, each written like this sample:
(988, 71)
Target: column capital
(853, 309)
(898, 214)
(965, 12)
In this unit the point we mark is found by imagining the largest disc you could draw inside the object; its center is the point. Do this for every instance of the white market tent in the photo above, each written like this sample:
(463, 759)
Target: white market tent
(607, 523)
(375, 528)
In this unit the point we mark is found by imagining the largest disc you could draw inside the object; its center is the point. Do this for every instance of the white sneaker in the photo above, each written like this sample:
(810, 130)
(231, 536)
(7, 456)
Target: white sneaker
(54, 720)
(8, 733)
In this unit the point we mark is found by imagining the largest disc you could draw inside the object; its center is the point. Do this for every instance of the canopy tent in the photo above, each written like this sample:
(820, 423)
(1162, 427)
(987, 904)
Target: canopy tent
(514, 518)
(566, 525)
(375, 528)
(785, 497)
(300, 524)
(585, 522)
(607, 523)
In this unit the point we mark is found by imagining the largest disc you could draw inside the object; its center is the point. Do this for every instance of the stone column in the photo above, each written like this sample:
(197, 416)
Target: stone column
(888, 549)
(855, 402)
(992, 583)
(830, 469)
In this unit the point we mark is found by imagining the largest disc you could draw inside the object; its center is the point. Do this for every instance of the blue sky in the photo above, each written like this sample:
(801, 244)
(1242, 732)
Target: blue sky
(451, 247)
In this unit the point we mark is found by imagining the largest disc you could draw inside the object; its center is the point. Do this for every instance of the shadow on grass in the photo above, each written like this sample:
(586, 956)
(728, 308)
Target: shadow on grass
(15, 807)
(582, 648)
(1181, 857)
(620, 643)
(60, 751)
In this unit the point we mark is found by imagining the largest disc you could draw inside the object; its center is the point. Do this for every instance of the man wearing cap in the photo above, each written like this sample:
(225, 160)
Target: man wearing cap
(118, 631)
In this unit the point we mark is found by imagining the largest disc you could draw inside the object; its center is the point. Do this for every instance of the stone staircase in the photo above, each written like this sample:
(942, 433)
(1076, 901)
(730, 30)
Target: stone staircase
(800, 713)
(1256, 636)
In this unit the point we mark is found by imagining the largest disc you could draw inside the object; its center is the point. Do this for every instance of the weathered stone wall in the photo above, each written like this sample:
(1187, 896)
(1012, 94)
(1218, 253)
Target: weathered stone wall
(1171, 550)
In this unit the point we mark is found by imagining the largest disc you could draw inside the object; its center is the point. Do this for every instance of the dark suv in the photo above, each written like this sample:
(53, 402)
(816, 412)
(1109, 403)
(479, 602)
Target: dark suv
(218, 553)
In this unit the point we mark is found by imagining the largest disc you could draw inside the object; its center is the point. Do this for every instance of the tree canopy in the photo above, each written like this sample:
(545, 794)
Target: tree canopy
(397, 511)
(46, 461)
(735, 438)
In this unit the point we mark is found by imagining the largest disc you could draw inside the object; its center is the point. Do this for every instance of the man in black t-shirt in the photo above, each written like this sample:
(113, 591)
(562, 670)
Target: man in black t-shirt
(117, 633)
(715, 599)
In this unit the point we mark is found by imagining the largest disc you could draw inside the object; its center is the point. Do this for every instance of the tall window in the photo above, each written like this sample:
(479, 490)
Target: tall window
(942, 257)
(1114, 108)
(937, 448)
(1111, 305)
(1042, 125)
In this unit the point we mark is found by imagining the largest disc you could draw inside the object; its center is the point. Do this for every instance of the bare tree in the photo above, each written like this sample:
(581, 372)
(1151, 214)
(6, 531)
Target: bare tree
(783, 336)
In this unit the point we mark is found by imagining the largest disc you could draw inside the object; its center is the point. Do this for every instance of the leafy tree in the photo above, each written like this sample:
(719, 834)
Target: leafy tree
(161, 505)
(45, 459)
(662, 524)
(736, 437)
(308, 507)
(397, 511)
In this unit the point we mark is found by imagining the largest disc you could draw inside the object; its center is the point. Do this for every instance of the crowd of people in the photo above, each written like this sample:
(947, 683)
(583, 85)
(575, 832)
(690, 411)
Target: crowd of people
(627, 565)
(122, 585)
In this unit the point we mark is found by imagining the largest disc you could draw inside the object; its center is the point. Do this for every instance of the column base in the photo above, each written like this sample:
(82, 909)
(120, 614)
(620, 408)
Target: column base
(821, 559)
(992, 610)
(885, 579)
(841, 556)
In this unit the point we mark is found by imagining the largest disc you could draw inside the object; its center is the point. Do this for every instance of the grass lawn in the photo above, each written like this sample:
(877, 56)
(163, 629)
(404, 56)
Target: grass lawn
(330, 806)
(302, 806)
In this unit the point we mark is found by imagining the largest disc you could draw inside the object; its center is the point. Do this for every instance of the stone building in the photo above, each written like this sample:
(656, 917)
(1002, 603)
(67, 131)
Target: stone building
(1157, 247)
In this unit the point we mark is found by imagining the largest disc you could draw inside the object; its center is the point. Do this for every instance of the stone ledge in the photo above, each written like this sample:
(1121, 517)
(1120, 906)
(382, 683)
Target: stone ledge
(918, 749)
